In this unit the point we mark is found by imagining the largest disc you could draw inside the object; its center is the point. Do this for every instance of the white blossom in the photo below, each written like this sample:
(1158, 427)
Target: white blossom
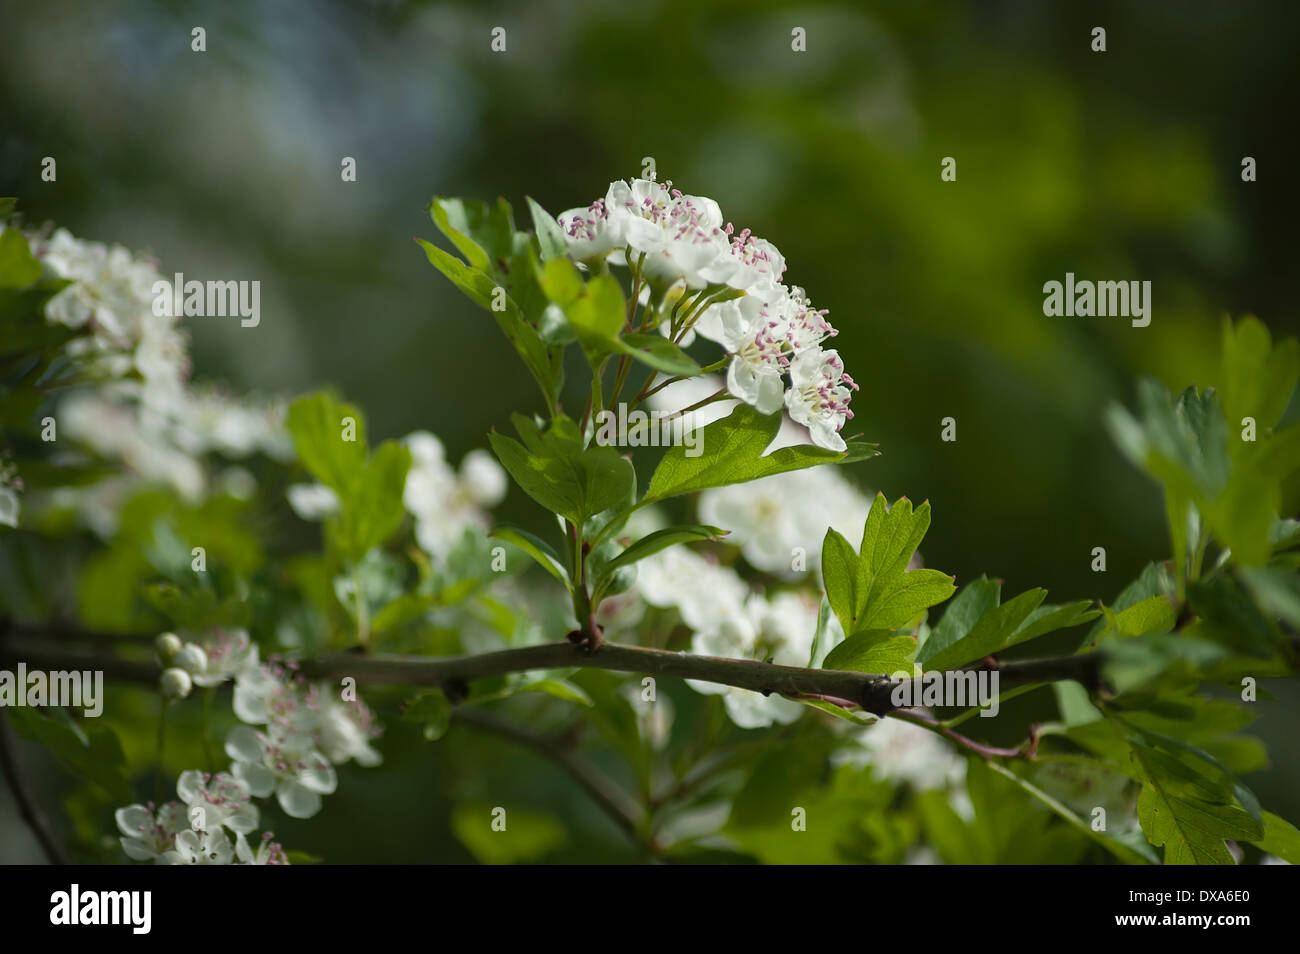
(201, 848)
(146, 835)
(284, 761)
(213, 801)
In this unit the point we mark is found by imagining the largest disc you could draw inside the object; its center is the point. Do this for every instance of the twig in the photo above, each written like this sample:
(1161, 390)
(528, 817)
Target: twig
(27, 807)
(599, 787)
(874, 693)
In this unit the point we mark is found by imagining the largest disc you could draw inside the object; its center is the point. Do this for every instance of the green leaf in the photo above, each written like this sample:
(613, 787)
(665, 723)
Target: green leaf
(597, 314)
(481, 289)
(1187, 813)
(374, 509)
(657, 352)
(1129, 854)
(562, 282)
(559, 688)
(407, 607)
(527, 836)
(1229, 615)
(1280, 838)
(535, 547)
(875, 651)
(1276, 591)
(848, 715)
(18, 267)
(732, 453)
(432, 709)
(873, 589)
(95, 755)
(550, 237)
(1258, 378)
(662, 539)
(1155, 614)
(989, 634)
(1049, 618)
(563, 477)
(845, 577)
(318, 424)
(483, 233)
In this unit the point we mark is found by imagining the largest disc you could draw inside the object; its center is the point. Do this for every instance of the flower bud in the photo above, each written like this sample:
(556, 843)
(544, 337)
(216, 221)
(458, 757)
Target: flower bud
(167, 645)
(175, 684)
(192, 659)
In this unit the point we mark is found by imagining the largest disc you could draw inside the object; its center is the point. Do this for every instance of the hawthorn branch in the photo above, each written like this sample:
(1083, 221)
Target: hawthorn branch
(874, 693)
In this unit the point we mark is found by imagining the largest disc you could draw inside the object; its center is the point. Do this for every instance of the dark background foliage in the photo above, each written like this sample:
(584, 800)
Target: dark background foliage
(1115, 165)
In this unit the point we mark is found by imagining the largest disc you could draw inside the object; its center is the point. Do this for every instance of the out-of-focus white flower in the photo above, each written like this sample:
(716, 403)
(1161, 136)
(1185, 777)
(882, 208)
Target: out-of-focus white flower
(268, 852)
(10, 484)
(9, 507)
(312, 501)
(281, 760)
(201, 848)
(147, 836)
(900, 752)
(229, 652)
(443, 503)
(264, 692)
(110, 285)
(681, 394)
(703, 592)
(212, 801)
(207, 419)
(482, 479)
(776, 519)
(341, 730)
(780, 630)
(106, 421)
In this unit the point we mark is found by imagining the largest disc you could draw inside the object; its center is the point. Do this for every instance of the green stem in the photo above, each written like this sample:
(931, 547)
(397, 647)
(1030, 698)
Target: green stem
(206, 718)
(158, 754)
(363, 612)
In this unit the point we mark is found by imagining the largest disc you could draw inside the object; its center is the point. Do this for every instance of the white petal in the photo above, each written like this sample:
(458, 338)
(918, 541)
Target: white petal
(243, 745)
(133, 820)
(297, 800)
(260, 779)
(189, 786)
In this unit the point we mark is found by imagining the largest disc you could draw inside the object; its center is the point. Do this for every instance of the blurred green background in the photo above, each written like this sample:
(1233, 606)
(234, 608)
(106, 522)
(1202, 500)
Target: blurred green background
(1116, 165)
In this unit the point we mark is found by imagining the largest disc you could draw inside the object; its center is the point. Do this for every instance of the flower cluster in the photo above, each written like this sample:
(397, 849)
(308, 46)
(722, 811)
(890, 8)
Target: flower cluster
(679, 244)
(304, 730)
(730, 620)
(143, 412)
(197, 829)
(296, 732)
